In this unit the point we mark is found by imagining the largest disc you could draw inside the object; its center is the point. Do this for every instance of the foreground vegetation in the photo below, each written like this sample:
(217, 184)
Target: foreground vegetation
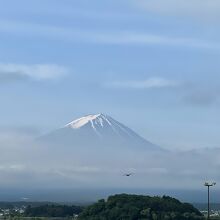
(118, 207)
(134, 207)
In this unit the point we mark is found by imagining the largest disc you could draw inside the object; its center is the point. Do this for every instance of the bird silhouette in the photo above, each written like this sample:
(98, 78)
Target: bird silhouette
(128, 174)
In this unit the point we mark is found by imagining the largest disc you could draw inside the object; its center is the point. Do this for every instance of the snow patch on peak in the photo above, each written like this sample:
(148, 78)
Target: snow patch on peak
(78, 123)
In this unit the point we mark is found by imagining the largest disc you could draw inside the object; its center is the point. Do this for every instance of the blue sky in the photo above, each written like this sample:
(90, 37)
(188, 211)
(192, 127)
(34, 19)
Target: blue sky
(153, 65)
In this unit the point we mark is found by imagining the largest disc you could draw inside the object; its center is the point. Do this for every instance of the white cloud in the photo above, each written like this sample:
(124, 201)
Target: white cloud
(29, 164)
(145, 84)
(114, 37)
(12, 168)
(201, 9)
(14, 72)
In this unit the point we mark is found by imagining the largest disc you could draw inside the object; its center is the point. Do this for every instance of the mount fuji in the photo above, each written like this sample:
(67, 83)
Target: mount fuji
(98, 130)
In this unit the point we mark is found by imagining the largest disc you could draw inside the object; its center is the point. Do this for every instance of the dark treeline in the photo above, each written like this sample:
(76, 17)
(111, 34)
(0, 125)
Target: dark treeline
(118, 207)
(52, 211)
(134, 207)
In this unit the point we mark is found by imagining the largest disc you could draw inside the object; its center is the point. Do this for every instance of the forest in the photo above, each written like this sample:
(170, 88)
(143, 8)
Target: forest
(138, 207)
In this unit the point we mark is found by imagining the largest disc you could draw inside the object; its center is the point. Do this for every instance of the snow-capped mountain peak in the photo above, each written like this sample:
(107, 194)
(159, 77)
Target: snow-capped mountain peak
(98, 130)
(94, 120)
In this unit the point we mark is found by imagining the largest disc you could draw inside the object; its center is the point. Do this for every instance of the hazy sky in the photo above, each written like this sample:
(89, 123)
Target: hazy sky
(153, 65)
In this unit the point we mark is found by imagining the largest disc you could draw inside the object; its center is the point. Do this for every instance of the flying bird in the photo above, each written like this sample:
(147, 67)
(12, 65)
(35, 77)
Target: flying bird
(128, 174)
